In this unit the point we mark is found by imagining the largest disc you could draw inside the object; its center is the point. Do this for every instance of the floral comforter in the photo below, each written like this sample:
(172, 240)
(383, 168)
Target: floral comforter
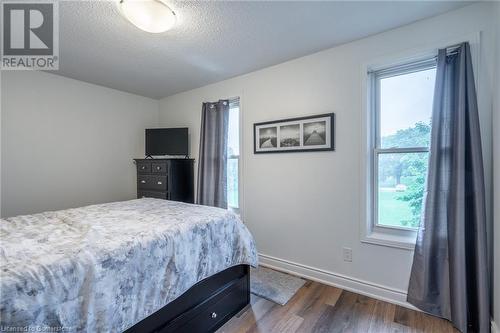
(103, 268)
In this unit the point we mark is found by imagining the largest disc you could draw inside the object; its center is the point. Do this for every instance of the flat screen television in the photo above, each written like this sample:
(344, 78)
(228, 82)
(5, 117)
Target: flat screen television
(167, 141)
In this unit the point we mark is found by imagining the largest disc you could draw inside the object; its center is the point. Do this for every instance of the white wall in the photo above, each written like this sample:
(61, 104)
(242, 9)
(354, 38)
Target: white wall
(66, 143)
(496, 168)
(303, 208)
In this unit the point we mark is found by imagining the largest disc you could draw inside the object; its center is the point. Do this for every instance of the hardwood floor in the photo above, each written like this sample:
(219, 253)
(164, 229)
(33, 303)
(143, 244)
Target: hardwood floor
(320, 308)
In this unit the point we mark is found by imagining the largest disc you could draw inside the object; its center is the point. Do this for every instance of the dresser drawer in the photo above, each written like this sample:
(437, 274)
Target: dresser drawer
(152, 194)
(209, 315)
(147, 182)
(159, 167)
(143, 167)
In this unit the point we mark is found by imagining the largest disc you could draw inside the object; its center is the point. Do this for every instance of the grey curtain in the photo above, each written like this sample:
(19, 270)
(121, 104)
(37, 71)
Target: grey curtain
(449, 276)
(212, 173)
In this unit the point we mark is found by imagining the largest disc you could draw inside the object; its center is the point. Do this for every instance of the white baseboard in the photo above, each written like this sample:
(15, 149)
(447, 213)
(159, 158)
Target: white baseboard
(366, 288)
(494, 327)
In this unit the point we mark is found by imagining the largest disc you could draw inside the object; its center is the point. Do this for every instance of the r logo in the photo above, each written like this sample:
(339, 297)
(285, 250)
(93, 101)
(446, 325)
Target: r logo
(28, 29)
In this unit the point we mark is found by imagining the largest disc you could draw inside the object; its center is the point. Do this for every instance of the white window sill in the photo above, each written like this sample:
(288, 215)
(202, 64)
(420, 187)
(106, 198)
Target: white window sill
(406, 242)
(234, 210)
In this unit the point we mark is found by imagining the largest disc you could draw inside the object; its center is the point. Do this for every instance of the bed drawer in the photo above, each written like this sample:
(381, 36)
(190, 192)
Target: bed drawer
(159, 167)
(211, 314)
(147, 182)
(143, 167)
(197, 299)
(152, 194)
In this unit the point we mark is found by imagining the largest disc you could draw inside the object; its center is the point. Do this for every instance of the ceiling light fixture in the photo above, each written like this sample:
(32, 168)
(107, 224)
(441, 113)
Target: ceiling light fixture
(149, 15)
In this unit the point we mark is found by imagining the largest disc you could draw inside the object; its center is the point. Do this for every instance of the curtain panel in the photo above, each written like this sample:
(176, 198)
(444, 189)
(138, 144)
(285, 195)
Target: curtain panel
(449, 275)
(212, 161)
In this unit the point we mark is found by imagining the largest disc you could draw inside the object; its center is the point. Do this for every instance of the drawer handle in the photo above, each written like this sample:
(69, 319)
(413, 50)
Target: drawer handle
(143, 182)
(159, 183)
(214, 315)
(143, 167)
(158, 168)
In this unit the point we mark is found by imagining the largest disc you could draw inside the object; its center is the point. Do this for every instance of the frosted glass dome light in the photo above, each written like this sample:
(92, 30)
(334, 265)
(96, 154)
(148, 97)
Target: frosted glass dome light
(149, 15)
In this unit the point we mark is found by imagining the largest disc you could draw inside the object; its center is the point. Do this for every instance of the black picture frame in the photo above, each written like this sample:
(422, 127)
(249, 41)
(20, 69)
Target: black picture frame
(268, 137)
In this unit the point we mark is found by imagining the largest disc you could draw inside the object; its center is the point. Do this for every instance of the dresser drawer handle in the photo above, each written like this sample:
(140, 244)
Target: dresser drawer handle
(159, 183)
(158, 168)
(214, 315)
(143, 167)
(143, 182)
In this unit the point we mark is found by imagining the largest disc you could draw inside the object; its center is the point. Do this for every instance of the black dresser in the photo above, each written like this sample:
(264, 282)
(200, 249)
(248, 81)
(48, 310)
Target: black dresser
(170, 179)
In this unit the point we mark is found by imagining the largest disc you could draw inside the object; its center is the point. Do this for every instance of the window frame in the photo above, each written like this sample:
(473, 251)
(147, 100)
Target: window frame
(232, 102)
(409, 54)
(403, 237)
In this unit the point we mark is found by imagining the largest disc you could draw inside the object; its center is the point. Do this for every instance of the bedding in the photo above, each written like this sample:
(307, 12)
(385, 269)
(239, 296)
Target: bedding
(103, 268)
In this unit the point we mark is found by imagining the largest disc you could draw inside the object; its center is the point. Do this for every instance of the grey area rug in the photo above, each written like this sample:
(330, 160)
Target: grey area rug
(273, 285)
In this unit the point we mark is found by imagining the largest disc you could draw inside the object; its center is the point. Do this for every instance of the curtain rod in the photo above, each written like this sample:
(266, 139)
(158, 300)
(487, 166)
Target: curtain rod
(230, 101)
(416, 64)
(454, 47)
(450, 50)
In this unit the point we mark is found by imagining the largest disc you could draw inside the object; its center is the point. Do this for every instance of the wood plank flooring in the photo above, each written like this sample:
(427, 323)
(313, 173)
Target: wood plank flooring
(320, 308)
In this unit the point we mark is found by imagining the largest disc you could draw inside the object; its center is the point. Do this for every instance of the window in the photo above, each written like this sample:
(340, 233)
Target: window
(402, 107)
(233, 155)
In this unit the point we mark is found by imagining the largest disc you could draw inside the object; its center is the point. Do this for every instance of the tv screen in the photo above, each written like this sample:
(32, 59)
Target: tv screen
(167, 141)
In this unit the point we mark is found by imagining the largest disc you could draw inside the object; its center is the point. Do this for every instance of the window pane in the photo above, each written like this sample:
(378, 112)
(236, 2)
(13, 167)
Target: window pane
(406, 109)
(233, 151)
(401, 182)
(232, 182)
(233, 139)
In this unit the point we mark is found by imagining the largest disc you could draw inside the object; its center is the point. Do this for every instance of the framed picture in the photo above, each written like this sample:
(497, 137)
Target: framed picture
(312, 133)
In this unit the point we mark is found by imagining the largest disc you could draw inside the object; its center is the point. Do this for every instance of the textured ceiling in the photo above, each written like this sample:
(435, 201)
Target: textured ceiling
(214, 41)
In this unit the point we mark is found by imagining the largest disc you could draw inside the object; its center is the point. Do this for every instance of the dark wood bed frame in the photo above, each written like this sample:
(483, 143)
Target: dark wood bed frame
(204, 307)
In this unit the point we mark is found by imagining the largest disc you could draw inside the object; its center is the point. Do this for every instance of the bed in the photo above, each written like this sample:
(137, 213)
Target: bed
(145, 265)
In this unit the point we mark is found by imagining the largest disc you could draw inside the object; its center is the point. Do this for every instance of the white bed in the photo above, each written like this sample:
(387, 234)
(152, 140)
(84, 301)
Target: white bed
(103, 268)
